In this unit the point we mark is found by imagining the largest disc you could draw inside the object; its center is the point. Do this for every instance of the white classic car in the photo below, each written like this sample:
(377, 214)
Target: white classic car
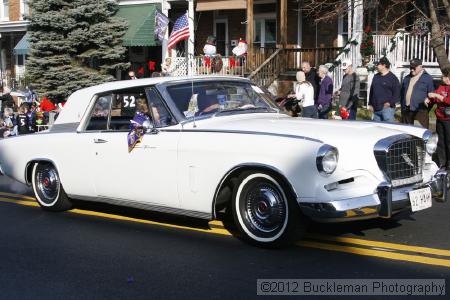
(218, 144)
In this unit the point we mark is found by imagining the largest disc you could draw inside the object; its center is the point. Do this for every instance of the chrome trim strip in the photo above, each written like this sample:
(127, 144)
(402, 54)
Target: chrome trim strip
(145, 206)
(245, 132)
(246, 165)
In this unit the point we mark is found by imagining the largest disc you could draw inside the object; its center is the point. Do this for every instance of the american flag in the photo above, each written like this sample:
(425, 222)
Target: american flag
(180, 31)
(161, 25)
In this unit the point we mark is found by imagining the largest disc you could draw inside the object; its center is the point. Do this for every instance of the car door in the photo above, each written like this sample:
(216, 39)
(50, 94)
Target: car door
(145, 174)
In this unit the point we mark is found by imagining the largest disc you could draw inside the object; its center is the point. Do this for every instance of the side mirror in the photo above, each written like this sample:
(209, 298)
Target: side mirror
(149, 127)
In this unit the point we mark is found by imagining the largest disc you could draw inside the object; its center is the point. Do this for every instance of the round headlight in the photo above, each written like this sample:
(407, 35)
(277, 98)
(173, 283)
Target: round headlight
(327, 159)
(431, 140)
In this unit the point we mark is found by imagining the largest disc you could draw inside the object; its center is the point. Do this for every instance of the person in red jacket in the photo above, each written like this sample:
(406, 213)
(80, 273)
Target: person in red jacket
(441, 97)
(47, 105)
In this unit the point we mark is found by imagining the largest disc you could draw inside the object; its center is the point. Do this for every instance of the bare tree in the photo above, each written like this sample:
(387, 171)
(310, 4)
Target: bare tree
(428, 15)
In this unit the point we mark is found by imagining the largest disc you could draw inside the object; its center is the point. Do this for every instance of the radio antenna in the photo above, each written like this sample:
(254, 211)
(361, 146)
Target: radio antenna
(196, 103)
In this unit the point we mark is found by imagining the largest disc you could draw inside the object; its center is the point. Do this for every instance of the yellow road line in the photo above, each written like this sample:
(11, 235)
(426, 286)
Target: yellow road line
(17, 196)
(118, 217)
(377, 253)
(308, 244)
(21, 202)
(371, 243)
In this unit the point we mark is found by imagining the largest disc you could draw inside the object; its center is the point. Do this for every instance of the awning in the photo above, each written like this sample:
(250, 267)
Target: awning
(22, 47)
(141, 24)
(204, 5)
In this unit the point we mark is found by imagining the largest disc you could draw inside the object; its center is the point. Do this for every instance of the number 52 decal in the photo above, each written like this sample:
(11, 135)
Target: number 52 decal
(129, 101)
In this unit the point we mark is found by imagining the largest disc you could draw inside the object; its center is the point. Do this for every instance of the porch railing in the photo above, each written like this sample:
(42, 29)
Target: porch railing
(406, 47)
(315, 56)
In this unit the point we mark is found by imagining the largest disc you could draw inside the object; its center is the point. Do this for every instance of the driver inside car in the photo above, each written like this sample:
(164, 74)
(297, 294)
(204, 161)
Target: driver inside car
(207, 104)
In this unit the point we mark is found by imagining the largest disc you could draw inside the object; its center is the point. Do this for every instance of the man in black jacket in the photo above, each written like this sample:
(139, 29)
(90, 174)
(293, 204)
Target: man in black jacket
(312, 77)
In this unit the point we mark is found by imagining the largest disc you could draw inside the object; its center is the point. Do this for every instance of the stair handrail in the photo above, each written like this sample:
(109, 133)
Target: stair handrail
(267, 80)
(267, 61)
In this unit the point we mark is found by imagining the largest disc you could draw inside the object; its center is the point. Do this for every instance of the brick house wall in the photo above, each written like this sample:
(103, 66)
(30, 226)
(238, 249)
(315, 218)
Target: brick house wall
(14, 10)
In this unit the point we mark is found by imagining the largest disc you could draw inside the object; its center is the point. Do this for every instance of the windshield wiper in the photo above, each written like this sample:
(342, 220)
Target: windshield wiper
(246, 110)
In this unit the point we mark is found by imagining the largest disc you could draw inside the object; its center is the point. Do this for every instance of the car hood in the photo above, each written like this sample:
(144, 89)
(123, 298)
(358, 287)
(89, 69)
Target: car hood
(351, 138)
(333, 132)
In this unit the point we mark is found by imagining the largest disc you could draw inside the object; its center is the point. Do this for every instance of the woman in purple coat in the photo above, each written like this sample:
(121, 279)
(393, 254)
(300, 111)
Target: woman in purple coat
(325, 93)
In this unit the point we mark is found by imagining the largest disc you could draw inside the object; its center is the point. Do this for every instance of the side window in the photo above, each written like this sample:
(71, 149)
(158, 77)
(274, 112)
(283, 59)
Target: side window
(125, 104)
(160, 114)
(100, 114)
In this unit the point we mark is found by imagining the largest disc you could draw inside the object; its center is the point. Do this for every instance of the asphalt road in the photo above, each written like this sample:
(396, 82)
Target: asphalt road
(108, 252)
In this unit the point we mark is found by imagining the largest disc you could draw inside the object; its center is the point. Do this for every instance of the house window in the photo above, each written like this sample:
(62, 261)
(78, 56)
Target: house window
(20, 60)
(4, 9)
(24, 8)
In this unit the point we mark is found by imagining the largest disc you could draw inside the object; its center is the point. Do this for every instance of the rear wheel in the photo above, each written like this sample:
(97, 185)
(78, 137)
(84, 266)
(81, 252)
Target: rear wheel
(48, 188)
(264, 212)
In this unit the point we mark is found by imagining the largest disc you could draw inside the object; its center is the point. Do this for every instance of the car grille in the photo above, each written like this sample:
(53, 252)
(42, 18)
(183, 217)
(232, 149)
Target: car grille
(401, 158)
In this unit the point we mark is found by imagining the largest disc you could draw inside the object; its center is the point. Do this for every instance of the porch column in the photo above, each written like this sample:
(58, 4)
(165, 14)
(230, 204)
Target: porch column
(358, 15)
(165, 7)
(283, 23)
(191, 39)
(250, 50)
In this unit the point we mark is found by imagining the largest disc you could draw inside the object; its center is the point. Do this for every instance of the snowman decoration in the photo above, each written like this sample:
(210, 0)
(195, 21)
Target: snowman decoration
(212, 59)
(210, 47)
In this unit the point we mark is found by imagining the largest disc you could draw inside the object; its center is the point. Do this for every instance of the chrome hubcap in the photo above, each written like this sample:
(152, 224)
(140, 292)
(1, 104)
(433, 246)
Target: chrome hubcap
(48, 184)
(265, 208)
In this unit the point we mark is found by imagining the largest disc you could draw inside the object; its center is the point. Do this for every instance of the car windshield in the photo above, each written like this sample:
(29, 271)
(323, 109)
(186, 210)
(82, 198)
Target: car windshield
(207, 99)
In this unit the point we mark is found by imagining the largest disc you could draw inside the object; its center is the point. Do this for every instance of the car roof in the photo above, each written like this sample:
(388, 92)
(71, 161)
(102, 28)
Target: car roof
(78, 102)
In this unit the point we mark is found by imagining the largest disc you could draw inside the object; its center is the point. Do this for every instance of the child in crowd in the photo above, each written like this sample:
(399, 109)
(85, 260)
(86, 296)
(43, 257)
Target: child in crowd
(23, 122)
(3, 128)
(9, 122)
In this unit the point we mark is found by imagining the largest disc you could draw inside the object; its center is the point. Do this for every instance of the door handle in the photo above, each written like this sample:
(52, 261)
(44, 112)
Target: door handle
(99, 141)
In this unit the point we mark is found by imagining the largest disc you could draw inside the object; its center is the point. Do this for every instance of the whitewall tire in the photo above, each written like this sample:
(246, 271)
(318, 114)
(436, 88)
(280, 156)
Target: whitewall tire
(48, 189)
(264, 212)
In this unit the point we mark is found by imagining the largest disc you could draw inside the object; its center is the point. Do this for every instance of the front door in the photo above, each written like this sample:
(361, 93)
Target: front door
(221, 33)
(146, 174)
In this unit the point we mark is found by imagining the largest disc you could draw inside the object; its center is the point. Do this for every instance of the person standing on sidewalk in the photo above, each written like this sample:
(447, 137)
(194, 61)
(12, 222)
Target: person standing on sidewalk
(311, 77)
(414, 93)
(349, 92)
(304, 92)
(384, 92)
(325, 93)
(441, 97)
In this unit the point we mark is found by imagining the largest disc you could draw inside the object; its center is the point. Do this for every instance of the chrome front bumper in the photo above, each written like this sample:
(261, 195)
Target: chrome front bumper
(386, 202)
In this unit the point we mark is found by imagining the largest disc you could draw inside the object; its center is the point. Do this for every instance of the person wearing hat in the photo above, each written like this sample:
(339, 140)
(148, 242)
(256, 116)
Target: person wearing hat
(414, 93)
(349, 91)
(384, 92)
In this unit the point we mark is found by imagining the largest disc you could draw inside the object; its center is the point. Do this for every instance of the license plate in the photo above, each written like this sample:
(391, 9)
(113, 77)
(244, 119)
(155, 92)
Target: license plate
(420, 199)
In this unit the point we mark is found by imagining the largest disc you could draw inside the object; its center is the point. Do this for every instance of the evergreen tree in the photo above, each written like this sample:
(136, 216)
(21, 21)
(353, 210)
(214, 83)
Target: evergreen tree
(74, 44)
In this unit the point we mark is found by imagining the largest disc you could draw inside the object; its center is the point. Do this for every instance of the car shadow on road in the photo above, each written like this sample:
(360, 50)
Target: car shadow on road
(359, 228)
(141, 214)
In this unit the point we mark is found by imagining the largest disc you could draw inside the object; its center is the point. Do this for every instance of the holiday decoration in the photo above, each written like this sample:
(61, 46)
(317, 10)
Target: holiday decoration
(367, 44)
(241, 48)
(210, 46)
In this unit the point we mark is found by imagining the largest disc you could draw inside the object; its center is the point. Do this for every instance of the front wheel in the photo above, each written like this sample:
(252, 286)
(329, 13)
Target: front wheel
(264, 212)
(48, 188)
